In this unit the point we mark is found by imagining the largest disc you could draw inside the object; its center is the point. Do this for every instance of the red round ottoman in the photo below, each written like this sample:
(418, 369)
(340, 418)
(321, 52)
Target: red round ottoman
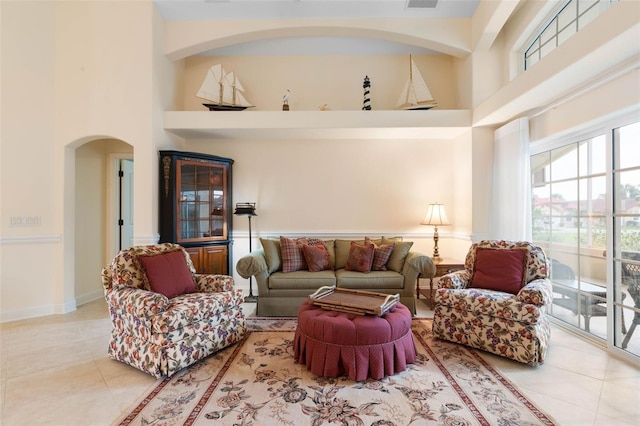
(333, 343)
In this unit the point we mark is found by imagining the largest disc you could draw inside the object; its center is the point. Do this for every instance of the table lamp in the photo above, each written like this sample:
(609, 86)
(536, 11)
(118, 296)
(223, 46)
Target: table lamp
(436, 216)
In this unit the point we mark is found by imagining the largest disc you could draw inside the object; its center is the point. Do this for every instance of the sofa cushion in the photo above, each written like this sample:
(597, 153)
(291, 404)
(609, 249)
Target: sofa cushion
(168, 273)
(399, 254)
(373, 281)
(381, 255)
(330, 245)
(500, 269)
(301, 280)
(360, 257)
(317, 257)
(271, 247)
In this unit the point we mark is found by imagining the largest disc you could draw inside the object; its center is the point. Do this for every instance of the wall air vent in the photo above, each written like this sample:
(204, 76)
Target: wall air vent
(421, 4)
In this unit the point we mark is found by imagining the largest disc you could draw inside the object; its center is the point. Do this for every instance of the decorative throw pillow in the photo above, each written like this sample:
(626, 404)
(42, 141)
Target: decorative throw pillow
(317, 257)
(342, 248)
(168, 273)
(360, 257)
(381, 254)
(292, 255)
(330, 245)
(500, 269)
(399, 254)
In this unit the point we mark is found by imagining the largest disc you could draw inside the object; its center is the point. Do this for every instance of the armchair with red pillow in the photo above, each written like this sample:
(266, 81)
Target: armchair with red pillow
(500, 301)
(165, 316)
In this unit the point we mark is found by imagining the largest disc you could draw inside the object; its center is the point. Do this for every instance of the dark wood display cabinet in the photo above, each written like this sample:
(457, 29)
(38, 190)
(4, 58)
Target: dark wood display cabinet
(195, 207)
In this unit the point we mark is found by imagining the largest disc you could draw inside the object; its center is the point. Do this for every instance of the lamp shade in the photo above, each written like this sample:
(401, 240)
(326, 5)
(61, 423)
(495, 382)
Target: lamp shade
(436, 215)
(245, 209)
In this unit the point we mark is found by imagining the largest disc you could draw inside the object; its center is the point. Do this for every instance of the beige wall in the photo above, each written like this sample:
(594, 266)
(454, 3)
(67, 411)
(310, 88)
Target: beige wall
(76, 72)
(29, 163)
(590, 108)
(345, 186)
(67, 81)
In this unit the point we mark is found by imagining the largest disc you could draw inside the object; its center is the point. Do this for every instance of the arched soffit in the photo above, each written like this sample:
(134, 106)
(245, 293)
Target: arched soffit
(450, 36)
(93, 138)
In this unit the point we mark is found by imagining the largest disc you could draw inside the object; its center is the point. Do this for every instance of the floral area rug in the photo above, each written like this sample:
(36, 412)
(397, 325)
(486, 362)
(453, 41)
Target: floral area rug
(257, 382)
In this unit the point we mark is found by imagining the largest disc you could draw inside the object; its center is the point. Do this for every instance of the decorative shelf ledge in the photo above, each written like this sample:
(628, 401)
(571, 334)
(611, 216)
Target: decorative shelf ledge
(429, 124)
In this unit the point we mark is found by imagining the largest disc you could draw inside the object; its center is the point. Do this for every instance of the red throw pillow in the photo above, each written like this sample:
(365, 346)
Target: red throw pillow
(168, 273)
(360, 257)
(500, 269)
(292, 255)
(317, 257)
(381, 255)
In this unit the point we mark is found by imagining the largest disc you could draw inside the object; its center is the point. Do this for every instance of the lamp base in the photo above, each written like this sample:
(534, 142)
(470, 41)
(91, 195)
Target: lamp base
(436, 259)
(251, 299)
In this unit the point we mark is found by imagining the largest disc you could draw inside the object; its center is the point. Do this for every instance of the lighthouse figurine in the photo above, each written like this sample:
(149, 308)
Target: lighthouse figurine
(367, 99)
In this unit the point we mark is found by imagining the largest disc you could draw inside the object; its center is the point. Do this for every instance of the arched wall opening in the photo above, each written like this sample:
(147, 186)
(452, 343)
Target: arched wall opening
(91, 212)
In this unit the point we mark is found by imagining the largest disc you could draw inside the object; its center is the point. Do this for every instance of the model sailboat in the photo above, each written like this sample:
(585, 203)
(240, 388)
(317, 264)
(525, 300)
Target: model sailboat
(415, 94)
(223, 91)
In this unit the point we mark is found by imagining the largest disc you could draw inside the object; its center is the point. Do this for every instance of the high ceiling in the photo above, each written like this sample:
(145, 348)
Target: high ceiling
(195, 10)
(190, 10)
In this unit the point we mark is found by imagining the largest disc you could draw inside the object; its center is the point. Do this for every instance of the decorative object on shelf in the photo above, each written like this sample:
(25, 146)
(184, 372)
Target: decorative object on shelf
(367, 98)
(249, 210)
(223, 91)
(416, 94)
(436, 216)
(285, 100)
(324, 107)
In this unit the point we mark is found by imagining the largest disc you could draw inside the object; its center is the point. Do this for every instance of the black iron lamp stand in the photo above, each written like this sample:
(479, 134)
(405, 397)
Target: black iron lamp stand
(249, 210)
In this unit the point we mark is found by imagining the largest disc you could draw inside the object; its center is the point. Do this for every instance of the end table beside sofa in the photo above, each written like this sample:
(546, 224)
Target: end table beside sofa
(444, 266)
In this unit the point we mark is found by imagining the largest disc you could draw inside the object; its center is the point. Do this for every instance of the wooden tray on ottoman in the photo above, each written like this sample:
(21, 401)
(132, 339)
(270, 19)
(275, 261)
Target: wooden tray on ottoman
(354, 301)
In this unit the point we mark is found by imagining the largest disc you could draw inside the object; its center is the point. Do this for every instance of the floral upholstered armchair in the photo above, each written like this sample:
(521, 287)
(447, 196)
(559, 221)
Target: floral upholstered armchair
(165, 316)
(499, 303)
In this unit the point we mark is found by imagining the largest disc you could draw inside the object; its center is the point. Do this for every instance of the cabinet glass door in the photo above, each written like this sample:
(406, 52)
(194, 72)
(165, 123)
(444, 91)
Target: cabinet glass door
(202, 200)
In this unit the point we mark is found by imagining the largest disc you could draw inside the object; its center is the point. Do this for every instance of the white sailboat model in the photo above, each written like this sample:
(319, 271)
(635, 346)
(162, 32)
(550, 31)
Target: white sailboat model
(416, 94)
(223, 91)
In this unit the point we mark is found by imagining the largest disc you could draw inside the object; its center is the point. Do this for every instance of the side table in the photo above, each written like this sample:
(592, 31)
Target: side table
(443, 267)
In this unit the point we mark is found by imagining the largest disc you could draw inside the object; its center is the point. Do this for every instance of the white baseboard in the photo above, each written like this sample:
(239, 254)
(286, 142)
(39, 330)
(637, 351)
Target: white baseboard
(89, 297)
(37, 311)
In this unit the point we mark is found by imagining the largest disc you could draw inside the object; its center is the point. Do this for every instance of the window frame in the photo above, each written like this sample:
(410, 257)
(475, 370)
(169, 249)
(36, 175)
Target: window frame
(613, 304)
(553, 20)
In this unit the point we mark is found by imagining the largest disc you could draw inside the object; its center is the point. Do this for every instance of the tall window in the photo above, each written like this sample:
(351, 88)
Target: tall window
(626, 234)
(581, 191)
(570, 18)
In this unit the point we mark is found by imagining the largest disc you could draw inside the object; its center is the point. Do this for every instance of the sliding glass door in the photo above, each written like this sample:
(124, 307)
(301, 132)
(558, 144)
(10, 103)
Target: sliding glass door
(586, 216)
(626, 236)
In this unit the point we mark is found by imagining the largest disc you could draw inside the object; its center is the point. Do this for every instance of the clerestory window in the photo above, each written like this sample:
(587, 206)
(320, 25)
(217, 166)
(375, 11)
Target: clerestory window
(570, 18)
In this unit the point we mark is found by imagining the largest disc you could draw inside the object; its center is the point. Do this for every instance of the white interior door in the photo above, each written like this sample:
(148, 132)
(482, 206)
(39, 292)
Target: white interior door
(125, 223)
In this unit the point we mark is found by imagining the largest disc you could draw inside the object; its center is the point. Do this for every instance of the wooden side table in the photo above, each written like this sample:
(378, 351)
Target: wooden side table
(443, 267)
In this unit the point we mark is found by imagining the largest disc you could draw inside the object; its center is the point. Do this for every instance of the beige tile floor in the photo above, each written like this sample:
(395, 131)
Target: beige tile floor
(54, 371)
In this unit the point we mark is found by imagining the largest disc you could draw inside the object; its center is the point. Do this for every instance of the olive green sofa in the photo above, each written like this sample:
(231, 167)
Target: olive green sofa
(281, 293)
